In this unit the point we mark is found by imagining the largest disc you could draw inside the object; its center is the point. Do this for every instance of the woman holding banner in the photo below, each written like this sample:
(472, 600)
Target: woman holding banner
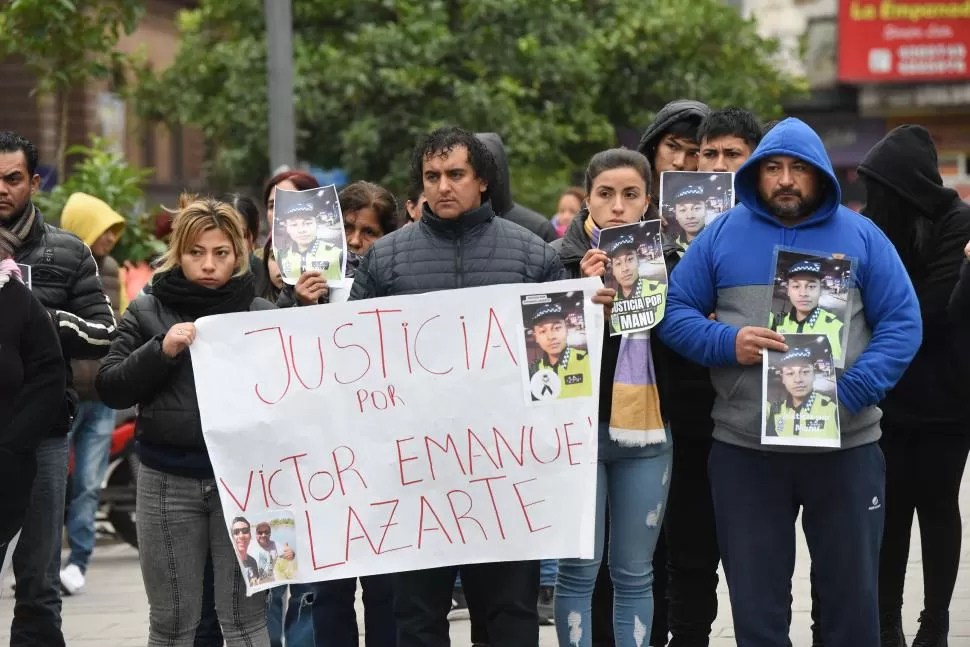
(634, 446)
(180, 519)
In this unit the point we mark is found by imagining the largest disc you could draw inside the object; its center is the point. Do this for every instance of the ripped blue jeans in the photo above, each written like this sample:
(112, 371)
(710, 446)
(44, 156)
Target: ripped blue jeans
(635, 481)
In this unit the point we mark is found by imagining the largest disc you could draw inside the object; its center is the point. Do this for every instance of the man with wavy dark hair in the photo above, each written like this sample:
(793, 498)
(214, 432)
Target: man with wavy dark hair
(454, 245)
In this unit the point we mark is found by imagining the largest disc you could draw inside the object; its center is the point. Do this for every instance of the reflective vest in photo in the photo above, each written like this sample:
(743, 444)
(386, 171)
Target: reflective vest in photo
(573, 370)
(817, 417)
(820, 321)
(321, 257)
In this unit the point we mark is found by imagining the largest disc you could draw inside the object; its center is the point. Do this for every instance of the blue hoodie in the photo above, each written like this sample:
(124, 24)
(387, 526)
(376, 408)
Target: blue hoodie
(729, 271)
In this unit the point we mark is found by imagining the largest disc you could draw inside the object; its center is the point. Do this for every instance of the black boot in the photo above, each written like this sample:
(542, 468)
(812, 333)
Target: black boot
(933, 630)
(891, 632)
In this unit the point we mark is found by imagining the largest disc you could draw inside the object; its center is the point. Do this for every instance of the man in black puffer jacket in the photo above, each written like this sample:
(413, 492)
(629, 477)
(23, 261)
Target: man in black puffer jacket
(501, 194)
(459, 243)
(64, 278)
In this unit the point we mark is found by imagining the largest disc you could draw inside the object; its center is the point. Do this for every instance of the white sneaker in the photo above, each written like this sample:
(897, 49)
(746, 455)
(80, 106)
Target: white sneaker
(72, 579)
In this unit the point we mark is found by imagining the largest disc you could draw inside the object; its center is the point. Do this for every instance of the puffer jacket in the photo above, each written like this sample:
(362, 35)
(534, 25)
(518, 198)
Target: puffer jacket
(137, 372)
(64, 278)
(86, 370)
(501, 194)
(474, 250)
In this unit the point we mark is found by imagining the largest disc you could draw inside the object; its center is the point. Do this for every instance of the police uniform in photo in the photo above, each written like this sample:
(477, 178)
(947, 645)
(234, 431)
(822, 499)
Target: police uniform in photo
(643, 288)
(816, 417)
(819, 320)
(571, 373)
(321, 256)
(691, 194)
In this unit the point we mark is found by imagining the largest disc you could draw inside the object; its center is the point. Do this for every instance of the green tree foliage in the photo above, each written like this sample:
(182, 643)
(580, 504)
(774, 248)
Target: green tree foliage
(105, 174)
(553, 77)
(67, 44)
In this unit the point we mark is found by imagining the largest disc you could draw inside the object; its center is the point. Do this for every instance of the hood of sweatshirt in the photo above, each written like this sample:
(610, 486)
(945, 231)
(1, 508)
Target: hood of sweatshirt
(679, 110)
(791, 138)
(87, 217)
(500, 195)
(905, 162)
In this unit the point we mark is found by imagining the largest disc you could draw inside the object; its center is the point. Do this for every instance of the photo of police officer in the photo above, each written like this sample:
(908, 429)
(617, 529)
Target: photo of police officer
(810, 295)
(800, 405)
(556, 348)
(636, 270)
(691, 200)
(308, 234)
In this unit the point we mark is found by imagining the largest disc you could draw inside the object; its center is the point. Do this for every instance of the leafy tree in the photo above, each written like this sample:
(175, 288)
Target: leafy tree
(67, 44)
(553, 77)
(105, 174)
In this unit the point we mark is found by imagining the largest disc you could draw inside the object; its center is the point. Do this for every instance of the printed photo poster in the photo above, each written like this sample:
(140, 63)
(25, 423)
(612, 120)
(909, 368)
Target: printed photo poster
(691, 200)
(265, 545)
(799, 401)
(557, 362)
(636, 270)
(810, 294)
(308, 234)
(25, 274)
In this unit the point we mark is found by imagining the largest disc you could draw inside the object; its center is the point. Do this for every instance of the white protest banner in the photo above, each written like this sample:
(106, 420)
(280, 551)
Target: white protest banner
(405, 432)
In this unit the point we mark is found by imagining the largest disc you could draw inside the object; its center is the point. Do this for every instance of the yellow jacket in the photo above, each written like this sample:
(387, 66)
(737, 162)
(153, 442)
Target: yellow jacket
(87, 217)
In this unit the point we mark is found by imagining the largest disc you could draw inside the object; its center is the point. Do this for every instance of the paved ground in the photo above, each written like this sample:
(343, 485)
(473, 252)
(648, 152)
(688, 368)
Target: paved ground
(113, 612)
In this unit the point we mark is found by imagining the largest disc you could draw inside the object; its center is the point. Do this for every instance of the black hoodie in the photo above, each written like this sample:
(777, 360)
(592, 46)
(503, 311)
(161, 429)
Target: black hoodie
(501, 195)
(670, 114)
(935, 390)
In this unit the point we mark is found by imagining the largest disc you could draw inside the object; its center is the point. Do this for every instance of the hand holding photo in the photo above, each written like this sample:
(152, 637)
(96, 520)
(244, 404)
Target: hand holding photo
(555, 342)
(691, 200)
(799, 398)
(810, 294)
(308, 234)
(636, 270)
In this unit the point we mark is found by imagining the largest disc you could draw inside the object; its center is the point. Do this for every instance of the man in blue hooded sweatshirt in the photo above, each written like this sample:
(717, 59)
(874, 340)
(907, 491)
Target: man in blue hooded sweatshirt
(790, 197)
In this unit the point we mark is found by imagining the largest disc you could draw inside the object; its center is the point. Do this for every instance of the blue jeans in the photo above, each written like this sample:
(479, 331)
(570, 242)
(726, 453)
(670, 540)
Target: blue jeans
(91, 438)
(335, 620)
(37, 558)
(297, 625)
(635, 481)
(548, 569)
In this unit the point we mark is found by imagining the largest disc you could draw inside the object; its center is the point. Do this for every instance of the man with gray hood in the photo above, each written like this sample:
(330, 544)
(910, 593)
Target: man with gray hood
(670, 142)
(502, 194)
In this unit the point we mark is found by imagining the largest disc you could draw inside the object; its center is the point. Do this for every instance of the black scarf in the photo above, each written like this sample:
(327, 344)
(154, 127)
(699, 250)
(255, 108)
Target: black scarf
(195, 301)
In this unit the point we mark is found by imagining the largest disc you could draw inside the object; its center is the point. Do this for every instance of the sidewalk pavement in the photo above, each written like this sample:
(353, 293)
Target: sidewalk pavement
(113, 610)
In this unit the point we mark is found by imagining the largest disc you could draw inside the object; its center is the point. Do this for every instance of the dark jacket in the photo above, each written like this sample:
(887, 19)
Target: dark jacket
(673, 112)
(86, 370)
(33, 379)
(64, 278)
(474, 250)
(670, 367)
(137, 372)
(935, 389)
(501, 194)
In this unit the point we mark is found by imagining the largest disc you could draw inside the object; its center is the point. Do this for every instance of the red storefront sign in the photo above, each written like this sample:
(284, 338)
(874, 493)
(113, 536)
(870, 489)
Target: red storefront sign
(903, 40)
